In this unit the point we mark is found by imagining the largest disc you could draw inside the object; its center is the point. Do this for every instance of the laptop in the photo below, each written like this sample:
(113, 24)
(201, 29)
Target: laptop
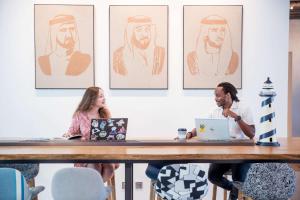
(212, 129)
(108, 129)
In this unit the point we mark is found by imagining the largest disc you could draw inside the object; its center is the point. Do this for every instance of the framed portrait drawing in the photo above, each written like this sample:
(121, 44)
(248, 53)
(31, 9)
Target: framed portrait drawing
(64, 46)
(138, 37)
(212, 46)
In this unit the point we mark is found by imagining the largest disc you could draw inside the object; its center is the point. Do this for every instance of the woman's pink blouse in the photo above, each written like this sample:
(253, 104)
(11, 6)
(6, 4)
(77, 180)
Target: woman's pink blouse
(81, 124)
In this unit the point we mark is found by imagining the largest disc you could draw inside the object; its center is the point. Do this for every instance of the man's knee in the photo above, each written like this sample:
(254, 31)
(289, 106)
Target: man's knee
(240, 173)
(212, 179)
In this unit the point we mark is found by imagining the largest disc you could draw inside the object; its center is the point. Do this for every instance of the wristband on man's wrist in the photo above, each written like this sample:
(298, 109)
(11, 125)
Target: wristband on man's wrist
(237, 118)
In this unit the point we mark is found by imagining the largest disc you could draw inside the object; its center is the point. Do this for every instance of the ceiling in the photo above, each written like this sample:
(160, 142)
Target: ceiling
(295, 9)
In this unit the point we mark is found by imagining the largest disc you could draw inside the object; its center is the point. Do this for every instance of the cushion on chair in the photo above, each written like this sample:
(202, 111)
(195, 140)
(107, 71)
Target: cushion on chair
(269, 181)
(78, 184)
(181, 181)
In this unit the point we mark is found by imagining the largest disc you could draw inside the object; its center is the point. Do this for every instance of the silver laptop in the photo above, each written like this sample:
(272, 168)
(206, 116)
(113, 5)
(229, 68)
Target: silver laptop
(212, 129)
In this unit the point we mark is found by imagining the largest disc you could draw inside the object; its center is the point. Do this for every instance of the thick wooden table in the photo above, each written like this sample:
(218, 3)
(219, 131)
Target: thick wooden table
(131, 152)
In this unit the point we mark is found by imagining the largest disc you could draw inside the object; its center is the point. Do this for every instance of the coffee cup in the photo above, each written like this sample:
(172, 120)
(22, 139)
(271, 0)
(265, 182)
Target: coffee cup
(182, 133)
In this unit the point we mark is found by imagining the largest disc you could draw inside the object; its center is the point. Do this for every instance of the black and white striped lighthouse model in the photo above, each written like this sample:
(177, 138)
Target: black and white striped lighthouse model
(267, 130)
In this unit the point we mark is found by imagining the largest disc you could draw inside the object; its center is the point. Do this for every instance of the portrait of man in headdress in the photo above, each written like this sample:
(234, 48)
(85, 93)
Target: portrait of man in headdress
(214, 53)
(140, 62)
(64, 54)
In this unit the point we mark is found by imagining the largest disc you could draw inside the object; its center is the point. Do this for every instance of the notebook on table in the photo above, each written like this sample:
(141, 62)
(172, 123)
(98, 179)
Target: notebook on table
(216, 131)
(108, 129)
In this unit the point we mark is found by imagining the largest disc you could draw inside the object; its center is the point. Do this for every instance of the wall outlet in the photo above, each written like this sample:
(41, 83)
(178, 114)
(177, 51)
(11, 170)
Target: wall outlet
(138, 185)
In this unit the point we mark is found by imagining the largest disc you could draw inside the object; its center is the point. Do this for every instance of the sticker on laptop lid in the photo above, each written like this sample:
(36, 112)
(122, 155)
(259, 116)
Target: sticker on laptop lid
(202, 128)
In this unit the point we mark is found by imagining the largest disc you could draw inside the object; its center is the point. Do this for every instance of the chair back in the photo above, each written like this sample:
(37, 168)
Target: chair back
(78, 184)
(181, 181)
(269, 180)
(13, 185)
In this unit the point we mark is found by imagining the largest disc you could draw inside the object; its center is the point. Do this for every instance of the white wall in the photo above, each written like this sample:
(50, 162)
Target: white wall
(29, 112)
(294, 47)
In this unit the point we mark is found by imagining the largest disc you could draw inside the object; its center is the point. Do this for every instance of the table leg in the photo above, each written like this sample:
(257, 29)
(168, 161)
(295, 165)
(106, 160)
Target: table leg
(128, 181)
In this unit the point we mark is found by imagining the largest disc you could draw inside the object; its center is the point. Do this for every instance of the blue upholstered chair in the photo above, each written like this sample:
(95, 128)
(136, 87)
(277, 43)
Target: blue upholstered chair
(13, 186)
(78, 184)
(28, 170)
(181, 182)
(269, 181)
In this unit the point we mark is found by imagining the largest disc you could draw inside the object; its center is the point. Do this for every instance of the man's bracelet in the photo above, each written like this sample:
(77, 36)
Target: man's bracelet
(237, 118)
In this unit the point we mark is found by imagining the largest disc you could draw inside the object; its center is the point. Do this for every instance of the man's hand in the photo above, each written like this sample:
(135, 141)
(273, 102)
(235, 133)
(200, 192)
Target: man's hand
(248, 130)
(191, 134)
(227, 112)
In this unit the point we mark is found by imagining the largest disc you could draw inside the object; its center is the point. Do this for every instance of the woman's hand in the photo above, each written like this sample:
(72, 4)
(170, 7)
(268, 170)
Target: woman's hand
(67, 135)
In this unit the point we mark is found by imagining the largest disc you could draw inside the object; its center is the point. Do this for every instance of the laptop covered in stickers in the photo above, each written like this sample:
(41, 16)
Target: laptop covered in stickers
(108, 129)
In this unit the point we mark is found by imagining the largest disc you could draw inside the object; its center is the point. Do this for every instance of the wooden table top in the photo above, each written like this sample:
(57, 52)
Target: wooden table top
(289, 151)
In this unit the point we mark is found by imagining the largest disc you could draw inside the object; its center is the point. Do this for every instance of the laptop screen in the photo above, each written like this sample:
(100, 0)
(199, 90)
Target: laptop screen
(109, 129)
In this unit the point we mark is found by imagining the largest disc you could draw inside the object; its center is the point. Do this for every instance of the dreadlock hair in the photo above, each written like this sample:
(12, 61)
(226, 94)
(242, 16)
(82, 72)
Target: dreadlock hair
(228, 87)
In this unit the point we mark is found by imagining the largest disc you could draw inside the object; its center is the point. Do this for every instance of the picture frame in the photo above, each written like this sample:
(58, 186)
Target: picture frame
(64, 46)
(138, 40)
(212, 45)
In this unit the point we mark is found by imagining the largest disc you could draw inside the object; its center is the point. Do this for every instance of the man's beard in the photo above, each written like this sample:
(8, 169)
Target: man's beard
(211, 47)
(215, 44)
(68, 44)
(142, 43)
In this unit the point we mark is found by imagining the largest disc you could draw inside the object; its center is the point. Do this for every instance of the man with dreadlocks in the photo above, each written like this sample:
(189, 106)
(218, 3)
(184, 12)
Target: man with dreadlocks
(241, 126)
